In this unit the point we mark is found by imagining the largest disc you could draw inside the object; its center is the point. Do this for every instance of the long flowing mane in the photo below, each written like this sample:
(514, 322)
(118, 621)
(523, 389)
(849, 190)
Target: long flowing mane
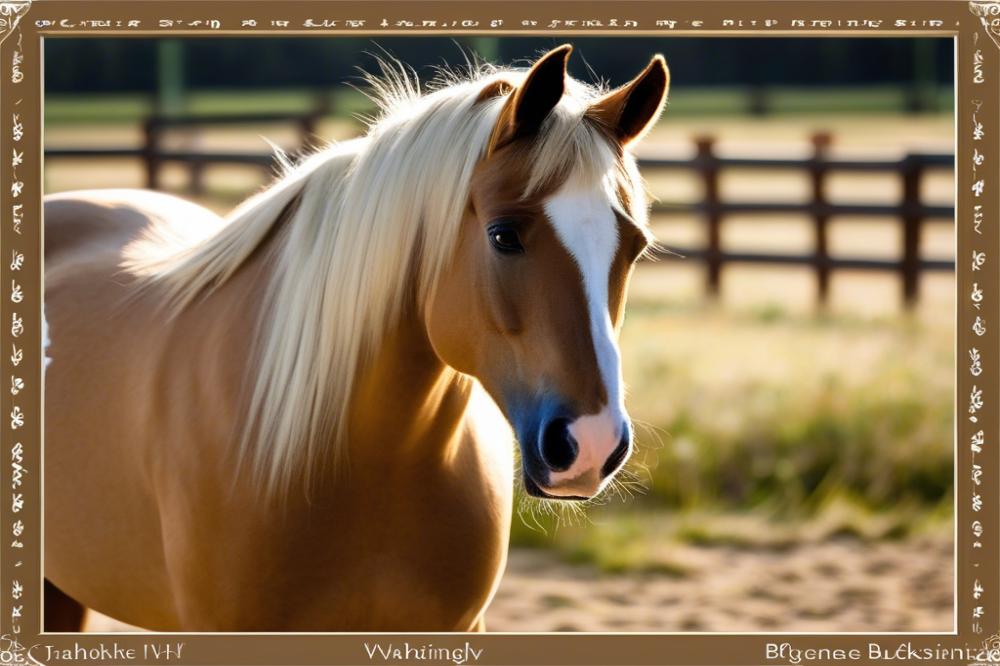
(366, 222)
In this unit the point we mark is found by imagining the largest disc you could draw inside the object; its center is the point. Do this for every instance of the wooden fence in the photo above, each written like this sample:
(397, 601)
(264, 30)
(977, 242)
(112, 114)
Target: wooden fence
(154, 155)
(910, 212)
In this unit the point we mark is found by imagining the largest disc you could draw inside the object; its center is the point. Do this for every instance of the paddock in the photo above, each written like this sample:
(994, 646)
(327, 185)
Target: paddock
(788, 348)
(565, 580)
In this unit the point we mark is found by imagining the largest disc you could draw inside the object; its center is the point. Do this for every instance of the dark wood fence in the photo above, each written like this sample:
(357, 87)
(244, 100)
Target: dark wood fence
(910, 212)
(154, 155)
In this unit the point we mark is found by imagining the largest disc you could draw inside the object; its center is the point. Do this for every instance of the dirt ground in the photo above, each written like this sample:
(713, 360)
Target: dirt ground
(834, 586)
(841, 585)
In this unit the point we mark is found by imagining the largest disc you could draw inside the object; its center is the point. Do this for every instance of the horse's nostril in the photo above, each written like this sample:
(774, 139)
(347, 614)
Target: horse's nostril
(617, 456)
(559, 449)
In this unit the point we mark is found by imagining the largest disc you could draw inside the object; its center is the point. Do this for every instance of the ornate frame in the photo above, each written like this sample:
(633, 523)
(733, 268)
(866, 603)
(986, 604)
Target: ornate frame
(974, 25)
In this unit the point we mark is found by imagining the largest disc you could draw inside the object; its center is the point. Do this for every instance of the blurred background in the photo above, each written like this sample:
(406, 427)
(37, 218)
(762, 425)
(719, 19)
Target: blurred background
(790, 368)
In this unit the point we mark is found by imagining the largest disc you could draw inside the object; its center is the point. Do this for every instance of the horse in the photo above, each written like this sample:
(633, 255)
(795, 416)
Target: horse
(301, 416)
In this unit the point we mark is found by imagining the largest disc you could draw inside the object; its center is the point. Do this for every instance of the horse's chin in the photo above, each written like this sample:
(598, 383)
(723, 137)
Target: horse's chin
(535, 490)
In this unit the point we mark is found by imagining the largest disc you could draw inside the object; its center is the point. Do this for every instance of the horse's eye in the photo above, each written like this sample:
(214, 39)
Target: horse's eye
(504, 238)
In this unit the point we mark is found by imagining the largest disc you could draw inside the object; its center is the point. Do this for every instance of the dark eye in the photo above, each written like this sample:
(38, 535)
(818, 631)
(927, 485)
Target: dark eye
(504, 238)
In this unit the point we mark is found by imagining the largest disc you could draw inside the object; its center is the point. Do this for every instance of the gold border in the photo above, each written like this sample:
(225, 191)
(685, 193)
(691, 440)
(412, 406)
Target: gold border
(977, 317)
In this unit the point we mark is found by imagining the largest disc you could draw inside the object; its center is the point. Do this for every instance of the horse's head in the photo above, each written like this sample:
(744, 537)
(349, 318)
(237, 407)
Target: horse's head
(533, 300)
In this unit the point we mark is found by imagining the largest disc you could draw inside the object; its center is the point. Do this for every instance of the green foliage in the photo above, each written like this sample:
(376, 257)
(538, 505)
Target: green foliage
(885, 442)
(623, 543)
(873, 421)
(112, 64)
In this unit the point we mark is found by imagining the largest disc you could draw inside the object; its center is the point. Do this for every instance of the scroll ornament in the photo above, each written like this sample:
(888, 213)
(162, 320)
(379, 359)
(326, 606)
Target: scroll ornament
(988, 12)
(11, 12)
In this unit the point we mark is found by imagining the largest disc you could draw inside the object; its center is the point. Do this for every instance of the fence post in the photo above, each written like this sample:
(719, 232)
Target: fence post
(309, 123)
(307, 132)
(196, 169)
(151, 151)
(709, 167)
(912, 171)
(196, 178)
(817, 173)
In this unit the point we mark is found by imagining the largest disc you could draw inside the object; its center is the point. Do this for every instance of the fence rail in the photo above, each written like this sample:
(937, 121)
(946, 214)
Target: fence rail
(910, 211)
(185, 156)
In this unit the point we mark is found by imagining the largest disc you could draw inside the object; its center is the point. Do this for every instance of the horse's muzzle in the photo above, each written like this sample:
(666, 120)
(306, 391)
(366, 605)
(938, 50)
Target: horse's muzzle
(576, 457)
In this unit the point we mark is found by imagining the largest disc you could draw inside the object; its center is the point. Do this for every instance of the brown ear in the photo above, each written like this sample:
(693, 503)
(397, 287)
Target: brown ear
(632, 109)
(534, 99)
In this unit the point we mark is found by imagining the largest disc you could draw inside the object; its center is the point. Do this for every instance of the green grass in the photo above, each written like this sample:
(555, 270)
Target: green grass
(624, 544)
(132, 107)
(791, 445)
(761, 408)
(111, 109)
(652, 540)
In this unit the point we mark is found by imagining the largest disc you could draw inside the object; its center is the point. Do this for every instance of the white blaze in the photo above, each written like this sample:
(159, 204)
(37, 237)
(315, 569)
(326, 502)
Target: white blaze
(585, 223)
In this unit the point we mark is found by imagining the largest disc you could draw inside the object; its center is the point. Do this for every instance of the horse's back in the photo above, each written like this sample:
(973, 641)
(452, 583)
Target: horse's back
(109, 219)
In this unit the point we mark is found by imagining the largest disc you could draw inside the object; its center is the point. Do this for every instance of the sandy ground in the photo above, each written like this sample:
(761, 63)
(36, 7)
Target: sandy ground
(834, 586)
(838, 585)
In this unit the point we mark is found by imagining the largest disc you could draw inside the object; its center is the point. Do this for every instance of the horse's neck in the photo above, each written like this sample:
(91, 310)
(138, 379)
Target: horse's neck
(406, 401)
(213, 338)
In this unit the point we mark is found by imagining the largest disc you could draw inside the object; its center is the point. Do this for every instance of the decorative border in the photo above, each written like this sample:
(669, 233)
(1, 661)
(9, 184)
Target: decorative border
(988, 12)
(981, 319)
(978, 315)
(19, 527)
(10, 16)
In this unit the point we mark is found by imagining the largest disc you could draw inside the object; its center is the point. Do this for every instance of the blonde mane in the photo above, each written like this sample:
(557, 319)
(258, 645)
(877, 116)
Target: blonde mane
(360, 218)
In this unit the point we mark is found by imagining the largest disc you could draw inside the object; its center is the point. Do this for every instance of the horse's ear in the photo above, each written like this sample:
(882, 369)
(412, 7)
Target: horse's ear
(534, 99)
(628, 112)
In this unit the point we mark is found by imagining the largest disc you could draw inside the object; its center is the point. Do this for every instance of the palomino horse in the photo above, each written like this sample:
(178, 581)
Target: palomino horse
(296, 417)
